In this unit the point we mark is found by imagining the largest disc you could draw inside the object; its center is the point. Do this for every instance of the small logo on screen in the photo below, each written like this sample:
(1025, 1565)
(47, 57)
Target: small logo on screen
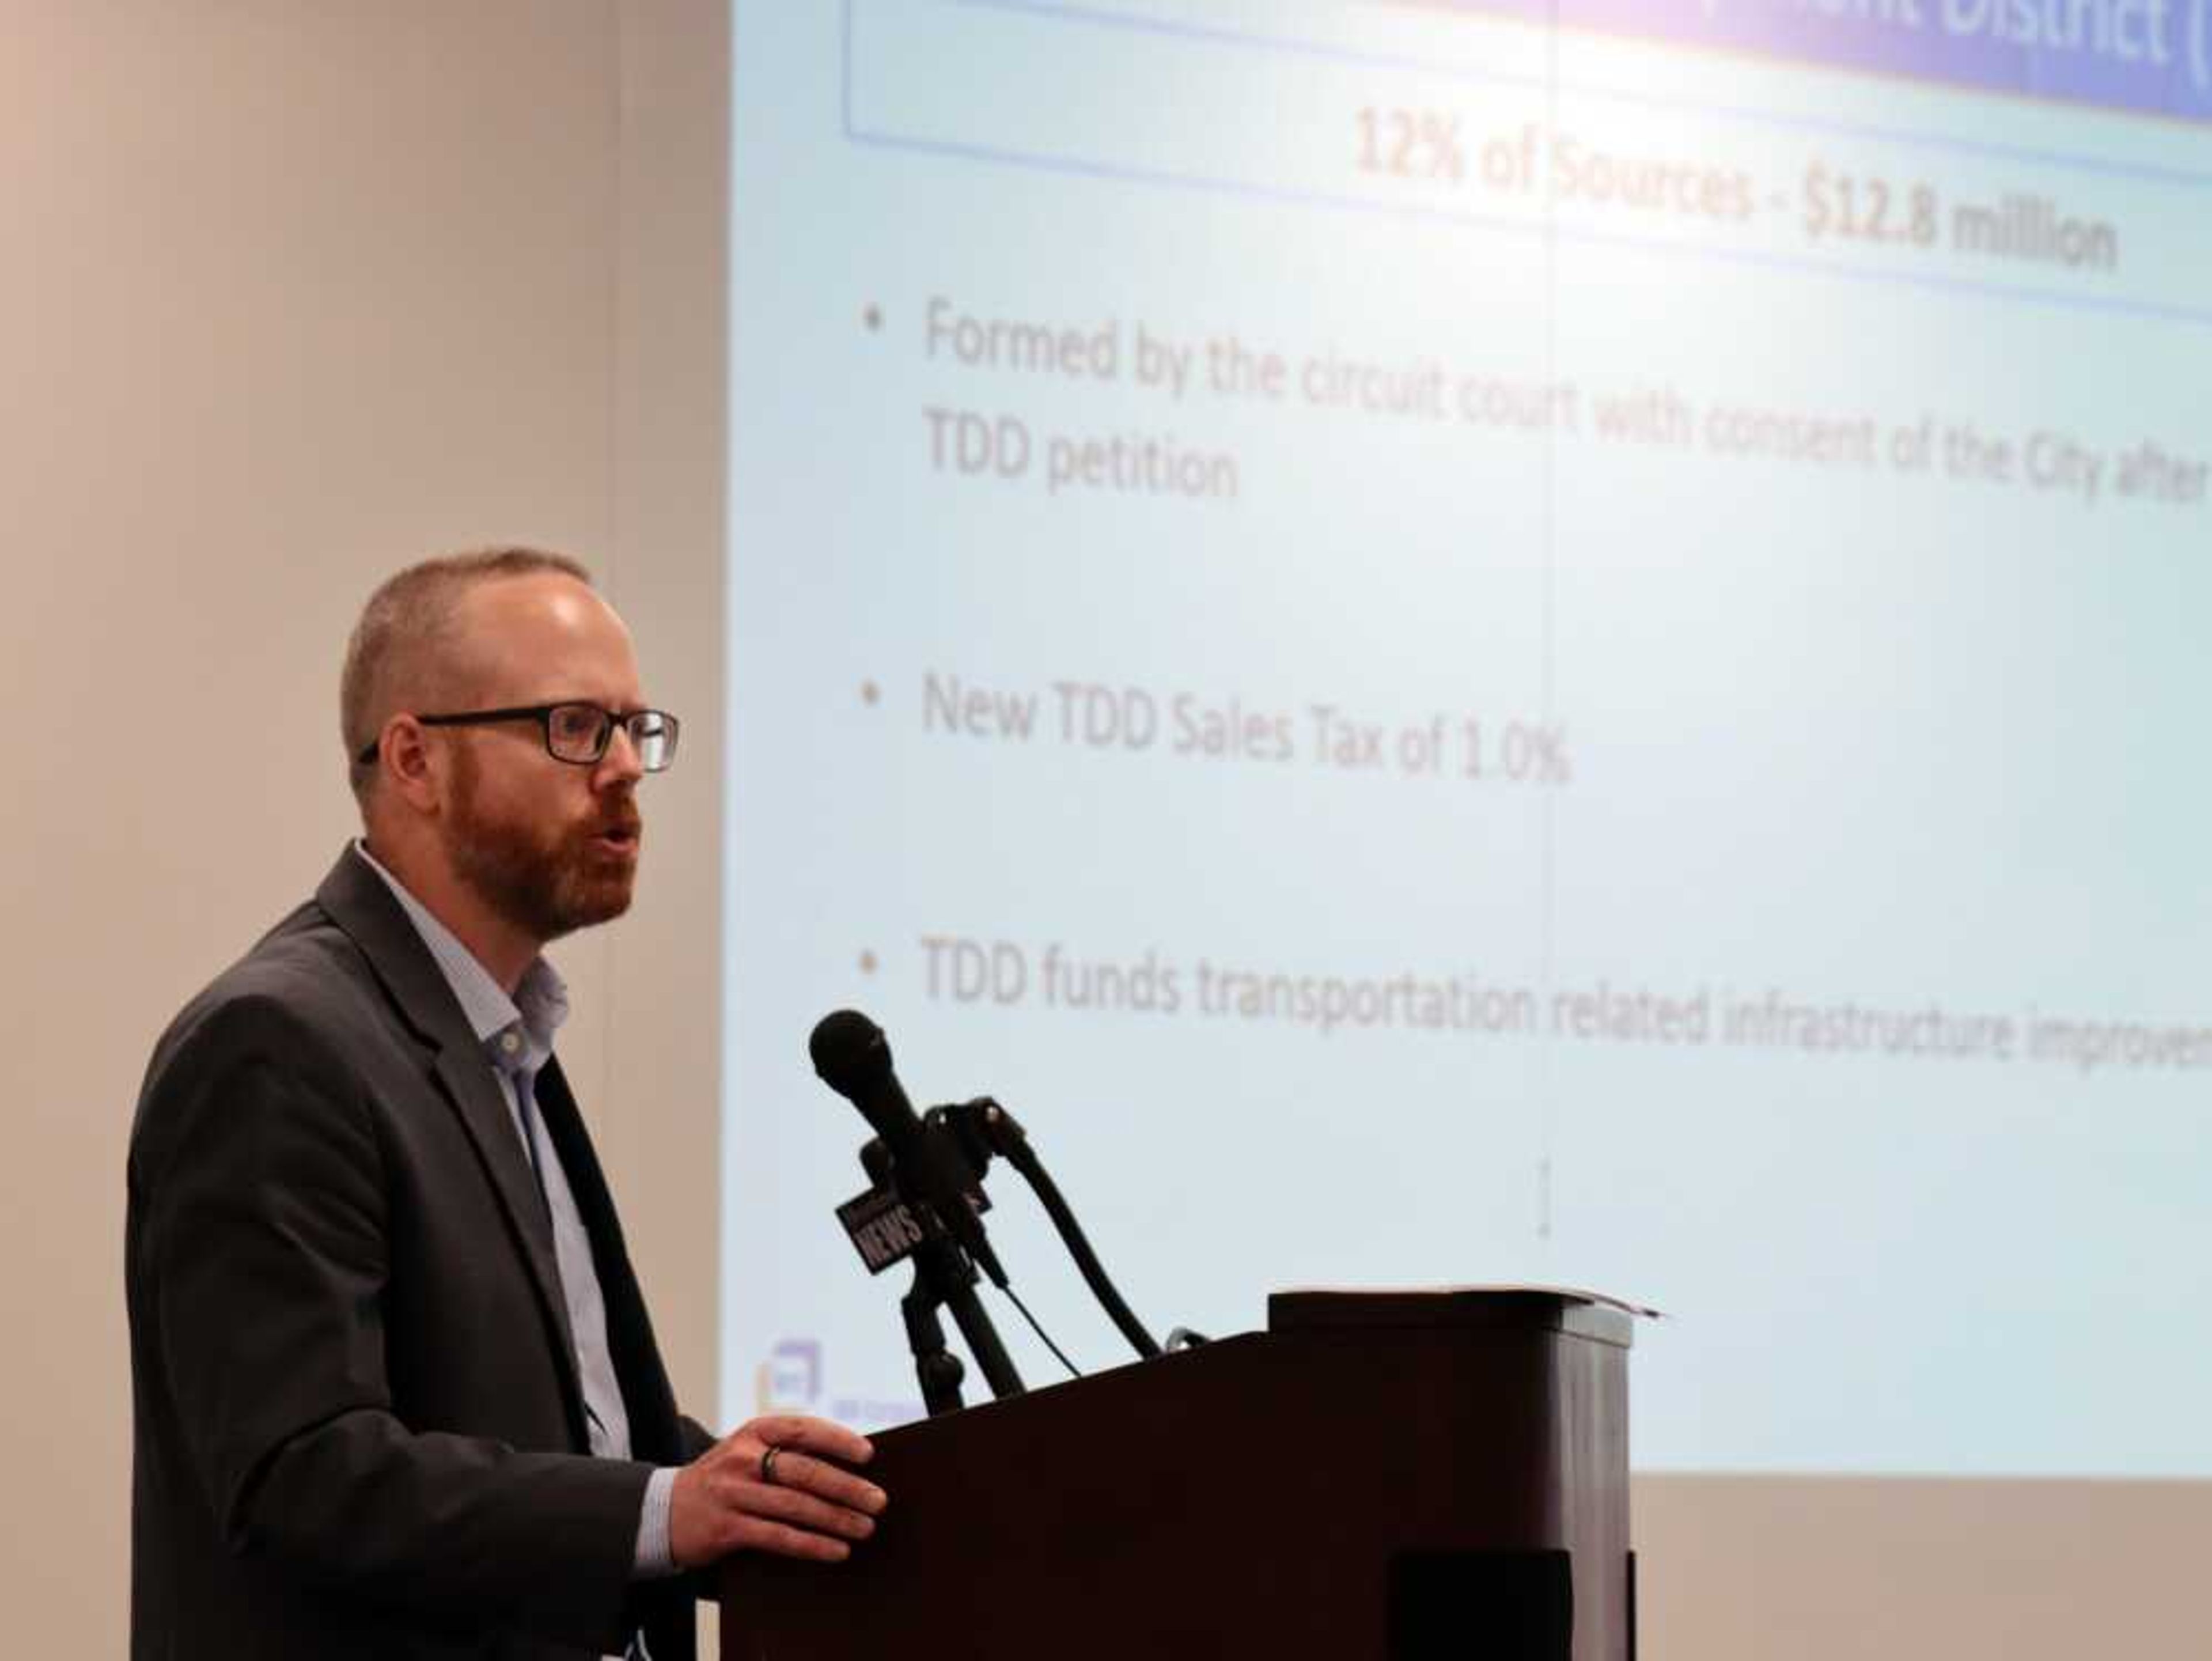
(790, 1379)
(793, 1379)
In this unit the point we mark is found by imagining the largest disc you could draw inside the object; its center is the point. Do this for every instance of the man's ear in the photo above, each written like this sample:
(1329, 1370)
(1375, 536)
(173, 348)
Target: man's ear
(411, 768)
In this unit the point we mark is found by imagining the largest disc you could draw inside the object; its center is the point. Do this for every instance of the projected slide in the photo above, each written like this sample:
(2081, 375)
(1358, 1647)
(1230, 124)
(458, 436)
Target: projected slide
(1453, 648)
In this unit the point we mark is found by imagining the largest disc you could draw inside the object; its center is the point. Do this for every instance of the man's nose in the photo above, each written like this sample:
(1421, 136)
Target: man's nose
(621, 761)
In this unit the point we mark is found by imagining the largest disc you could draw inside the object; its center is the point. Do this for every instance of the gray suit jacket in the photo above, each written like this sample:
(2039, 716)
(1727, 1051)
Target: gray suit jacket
(359, 1430)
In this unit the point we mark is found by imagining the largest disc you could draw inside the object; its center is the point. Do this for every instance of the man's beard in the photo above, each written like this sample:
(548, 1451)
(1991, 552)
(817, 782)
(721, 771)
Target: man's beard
(548, 881)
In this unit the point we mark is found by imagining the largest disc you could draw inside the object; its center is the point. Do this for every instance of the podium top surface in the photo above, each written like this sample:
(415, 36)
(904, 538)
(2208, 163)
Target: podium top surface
(1556, 1309)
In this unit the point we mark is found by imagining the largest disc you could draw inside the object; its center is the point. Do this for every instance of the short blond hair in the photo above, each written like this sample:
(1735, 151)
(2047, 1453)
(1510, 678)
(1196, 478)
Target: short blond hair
(403, 644)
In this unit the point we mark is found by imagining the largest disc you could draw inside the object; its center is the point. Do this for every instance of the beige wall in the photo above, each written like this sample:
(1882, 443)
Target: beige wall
(1731, 1568)
(293, 291)
(296, 290)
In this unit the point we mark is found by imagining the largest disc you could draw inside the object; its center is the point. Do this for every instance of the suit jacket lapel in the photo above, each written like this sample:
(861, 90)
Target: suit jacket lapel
(654, 1432)
(358, 901)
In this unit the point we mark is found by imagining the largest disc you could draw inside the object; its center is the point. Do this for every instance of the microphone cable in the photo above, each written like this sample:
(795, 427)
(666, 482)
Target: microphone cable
(1072, 1371)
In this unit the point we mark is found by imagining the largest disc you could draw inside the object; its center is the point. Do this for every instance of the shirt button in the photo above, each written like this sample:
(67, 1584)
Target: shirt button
(510, 1042)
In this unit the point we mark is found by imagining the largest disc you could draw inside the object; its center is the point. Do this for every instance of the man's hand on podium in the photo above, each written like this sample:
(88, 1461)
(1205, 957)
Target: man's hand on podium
(777, 1485)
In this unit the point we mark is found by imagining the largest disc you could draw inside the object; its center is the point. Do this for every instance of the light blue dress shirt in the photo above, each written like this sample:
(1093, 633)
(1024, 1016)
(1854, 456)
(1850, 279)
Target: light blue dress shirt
(517, 1034)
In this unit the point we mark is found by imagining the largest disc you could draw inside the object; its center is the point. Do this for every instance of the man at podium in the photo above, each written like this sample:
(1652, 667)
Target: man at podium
(396, 1393)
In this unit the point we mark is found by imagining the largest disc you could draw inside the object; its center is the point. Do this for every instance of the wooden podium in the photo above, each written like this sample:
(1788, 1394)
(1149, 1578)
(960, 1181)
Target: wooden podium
(1408, 1475)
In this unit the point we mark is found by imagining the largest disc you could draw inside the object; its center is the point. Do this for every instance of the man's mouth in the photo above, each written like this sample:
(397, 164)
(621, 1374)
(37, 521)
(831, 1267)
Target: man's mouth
(620, 835)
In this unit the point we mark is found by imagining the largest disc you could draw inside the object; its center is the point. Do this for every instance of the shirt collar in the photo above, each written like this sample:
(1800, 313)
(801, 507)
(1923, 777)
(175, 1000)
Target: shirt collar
(532, 1016)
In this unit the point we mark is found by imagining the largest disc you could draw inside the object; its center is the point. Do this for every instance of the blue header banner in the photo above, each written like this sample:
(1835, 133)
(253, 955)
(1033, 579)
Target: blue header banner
(2149, 57)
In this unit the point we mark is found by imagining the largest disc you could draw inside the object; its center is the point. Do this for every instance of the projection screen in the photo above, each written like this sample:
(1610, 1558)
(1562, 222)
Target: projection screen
(1491, 642)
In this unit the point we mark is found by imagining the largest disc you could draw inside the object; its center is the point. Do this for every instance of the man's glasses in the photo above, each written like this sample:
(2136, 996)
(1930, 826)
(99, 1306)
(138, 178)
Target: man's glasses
(575, 733)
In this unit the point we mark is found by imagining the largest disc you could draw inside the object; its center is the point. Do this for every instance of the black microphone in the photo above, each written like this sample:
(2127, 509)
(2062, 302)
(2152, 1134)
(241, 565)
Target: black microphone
(853, 1057)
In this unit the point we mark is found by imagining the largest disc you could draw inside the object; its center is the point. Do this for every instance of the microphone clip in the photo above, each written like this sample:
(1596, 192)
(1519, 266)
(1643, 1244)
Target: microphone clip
(882, 1226)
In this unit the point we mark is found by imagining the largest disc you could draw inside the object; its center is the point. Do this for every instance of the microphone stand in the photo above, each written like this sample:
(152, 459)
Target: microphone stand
(944, 1275)
(943, 1278)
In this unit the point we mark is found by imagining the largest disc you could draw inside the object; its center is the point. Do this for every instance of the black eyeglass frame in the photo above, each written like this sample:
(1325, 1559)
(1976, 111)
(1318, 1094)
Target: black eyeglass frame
(542, 714)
